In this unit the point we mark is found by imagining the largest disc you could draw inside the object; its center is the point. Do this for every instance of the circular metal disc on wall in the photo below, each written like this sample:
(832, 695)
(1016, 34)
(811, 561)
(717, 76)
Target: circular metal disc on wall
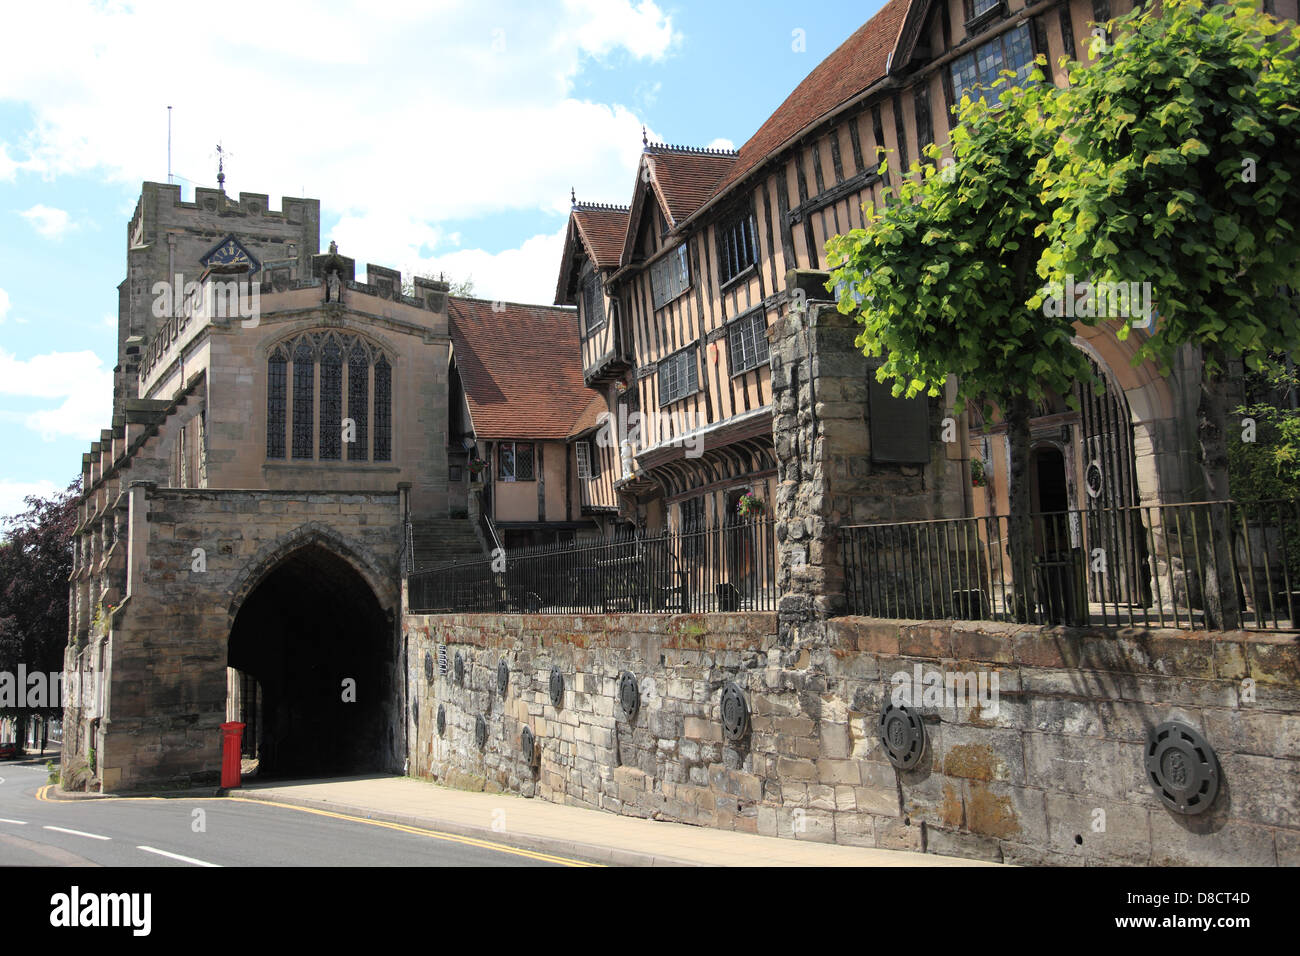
(902, 734)
(503, 678)
(442, 720)
(1182, 767)
(480, 731)
(629, 694)
(735, 712)
(459, 667)
(557, 687)
(528, 745)
(428, 666)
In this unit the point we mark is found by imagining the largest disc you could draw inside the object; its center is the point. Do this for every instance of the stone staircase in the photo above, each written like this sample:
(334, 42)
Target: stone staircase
(441, 541)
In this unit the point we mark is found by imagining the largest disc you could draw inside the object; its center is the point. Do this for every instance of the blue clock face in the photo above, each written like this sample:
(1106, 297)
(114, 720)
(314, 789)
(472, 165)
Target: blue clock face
(229, 252)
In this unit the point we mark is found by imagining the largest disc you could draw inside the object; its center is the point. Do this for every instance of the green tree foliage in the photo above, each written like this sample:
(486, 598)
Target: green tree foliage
(1267, 466)
(1175, 164)
(35, 564)
(940, 277)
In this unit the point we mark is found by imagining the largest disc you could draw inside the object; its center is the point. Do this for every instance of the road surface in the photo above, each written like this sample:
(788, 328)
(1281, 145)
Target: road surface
(206, 832)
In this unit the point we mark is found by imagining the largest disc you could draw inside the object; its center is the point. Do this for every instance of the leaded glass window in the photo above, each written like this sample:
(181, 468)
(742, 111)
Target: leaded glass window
(979, 69)
(343, 389)
(748, 341)
(737, 248)
(277, 394)
(678, 376)
(304, 390)
(359, 401)
(593, 303)
(331, 401)
(383, 410)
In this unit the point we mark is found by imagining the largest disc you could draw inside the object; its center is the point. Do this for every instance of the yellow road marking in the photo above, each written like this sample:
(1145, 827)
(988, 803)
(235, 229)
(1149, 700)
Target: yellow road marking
(43, 795)
(450, 837)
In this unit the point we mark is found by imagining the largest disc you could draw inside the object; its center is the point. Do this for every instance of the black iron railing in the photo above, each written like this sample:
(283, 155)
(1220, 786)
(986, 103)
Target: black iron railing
(1207, 564)
(732, 568)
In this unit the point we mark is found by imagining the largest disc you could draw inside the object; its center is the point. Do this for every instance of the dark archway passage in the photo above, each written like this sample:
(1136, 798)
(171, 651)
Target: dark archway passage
(311, 625)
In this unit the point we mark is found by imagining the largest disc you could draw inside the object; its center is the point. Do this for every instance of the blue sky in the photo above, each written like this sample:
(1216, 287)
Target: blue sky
(438, 136)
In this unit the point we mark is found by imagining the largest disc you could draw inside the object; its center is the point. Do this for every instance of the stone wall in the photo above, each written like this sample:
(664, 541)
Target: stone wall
(826, 476)
(1053, 774)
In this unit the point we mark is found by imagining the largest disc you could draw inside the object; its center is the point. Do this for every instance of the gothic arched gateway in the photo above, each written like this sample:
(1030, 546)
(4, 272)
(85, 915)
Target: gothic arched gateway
(313, 646)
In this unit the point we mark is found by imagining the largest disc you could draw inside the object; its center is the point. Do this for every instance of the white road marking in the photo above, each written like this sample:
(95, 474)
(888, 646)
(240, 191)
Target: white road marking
(21, 823)
(177, 856)
(93, 836)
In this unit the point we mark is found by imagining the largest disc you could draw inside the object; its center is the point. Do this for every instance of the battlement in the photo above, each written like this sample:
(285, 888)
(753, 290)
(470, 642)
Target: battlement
(248, 204)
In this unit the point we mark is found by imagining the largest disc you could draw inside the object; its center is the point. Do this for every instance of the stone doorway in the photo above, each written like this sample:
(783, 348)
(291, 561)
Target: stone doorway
(314, 638)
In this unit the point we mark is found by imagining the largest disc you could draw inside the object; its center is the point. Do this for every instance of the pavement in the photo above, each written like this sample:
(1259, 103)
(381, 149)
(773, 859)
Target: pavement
(593, 835)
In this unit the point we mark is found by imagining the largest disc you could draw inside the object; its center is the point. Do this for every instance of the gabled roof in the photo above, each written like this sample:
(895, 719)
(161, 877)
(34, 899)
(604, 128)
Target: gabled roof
(681, 178)
(600, 230)
(858, 62)
(521, 368)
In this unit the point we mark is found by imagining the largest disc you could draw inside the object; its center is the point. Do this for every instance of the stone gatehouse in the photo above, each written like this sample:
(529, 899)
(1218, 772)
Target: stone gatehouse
(277, 427)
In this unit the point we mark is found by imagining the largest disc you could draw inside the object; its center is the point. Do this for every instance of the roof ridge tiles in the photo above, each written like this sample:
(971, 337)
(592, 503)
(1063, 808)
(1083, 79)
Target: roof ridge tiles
(699, 150)
(507, 302)
(612, 207)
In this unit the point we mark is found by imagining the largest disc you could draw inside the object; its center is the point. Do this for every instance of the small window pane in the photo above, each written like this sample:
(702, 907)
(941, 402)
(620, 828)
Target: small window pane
(523, 462)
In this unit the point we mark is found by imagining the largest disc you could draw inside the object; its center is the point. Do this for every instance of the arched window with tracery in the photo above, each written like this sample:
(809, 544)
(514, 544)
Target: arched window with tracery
(317, 380)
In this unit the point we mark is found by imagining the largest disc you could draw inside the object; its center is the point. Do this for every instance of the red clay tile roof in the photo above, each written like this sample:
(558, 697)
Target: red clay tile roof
(521, 368)
(590, 417)
(600, 231)
(686, 177)
(857, 63)
(603, 229)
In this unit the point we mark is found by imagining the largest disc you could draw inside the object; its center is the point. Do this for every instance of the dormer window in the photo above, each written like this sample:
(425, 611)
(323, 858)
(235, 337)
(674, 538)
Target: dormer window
(981, 10)
(593, 303)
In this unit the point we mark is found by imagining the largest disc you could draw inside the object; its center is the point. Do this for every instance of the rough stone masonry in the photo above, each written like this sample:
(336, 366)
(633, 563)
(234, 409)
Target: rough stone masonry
(1055, 776)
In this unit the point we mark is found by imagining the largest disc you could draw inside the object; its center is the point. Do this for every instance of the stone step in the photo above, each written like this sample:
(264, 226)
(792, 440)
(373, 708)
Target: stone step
(442, 541)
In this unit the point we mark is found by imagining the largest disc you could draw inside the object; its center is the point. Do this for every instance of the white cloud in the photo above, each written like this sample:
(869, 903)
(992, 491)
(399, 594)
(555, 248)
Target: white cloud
(414, 113)
(78, 381)
(525, 274)
(721, 143)
(604, 26)
(12, 494)
(49, 222)
(4, 305)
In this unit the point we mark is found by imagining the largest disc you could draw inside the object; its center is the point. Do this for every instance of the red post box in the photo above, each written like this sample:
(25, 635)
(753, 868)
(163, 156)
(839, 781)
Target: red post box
(232, 736)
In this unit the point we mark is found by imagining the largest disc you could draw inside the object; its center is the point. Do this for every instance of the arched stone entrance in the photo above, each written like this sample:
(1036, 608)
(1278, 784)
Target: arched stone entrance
(314, 637)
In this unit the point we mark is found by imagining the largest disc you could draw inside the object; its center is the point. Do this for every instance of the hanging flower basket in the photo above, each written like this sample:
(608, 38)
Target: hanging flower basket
(477, 465)
(750, 505)
(977, 477)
